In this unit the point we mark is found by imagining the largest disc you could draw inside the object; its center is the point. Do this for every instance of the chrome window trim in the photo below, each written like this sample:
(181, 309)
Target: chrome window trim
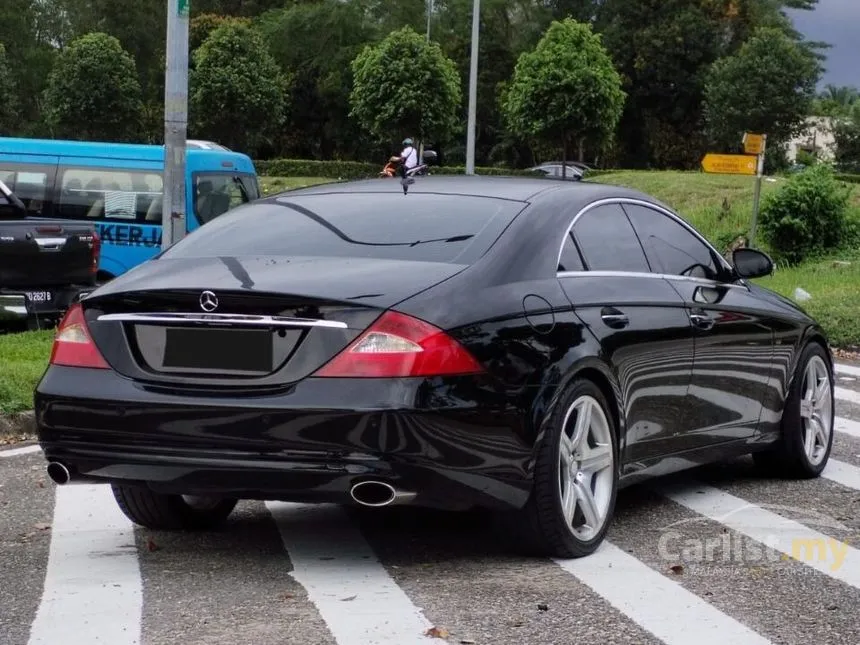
(228, 319)
(714, 284)
(646, 204)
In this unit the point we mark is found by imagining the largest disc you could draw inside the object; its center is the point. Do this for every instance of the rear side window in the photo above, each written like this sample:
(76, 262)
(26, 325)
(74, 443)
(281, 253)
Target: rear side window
(608, 241)
(31, 187)
(430, 228)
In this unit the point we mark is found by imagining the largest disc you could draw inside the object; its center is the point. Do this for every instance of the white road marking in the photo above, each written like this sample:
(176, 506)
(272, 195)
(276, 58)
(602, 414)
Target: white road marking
(847, 426)
(93, 589)
(662, 606)
(356, 597)
(17, 452)
(837, 560)
(851, 370)
(842, 473)
(851, 396)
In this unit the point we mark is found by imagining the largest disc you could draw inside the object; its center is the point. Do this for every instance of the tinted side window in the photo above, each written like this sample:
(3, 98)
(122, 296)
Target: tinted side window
(215, 194)
(608, 242)
(671, 248)
(570, 259)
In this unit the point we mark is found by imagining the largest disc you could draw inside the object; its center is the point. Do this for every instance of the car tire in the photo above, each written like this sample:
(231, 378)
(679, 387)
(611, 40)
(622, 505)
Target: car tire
(158, 511)
(553, 522)
(808, 414)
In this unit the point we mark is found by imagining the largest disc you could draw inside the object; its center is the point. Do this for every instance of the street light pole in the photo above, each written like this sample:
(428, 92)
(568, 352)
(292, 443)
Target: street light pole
(473, 89)
(429, 16)
(175, 122)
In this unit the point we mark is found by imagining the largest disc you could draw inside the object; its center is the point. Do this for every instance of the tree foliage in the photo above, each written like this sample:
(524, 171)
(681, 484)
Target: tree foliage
(93, 91)
(846, 133)
(406, 86)
(236, 91)
(768, 86)
(566, 90)
(8, 97)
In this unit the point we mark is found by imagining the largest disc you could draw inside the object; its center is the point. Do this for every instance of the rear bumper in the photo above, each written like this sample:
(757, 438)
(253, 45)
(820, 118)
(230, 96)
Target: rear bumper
(454, 443)
(15, 306)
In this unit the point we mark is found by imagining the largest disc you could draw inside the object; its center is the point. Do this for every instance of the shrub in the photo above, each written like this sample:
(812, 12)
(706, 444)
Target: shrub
(807, 215)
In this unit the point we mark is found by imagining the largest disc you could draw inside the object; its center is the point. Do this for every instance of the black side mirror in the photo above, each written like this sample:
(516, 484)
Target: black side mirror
(429, 157)
(751, 263)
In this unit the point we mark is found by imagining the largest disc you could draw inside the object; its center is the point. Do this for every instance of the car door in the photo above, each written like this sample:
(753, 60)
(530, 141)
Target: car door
(734, 342)
(641, 324)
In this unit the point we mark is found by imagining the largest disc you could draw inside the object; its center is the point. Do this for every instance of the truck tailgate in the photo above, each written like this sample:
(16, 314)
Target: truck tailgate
(45, 253)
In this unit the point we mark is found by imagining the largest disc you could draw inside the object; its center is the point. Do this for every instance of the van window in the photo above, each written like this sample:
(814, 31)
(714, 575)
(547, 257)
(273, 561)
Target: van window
(110, 195)
(30, 187)
(215, 194)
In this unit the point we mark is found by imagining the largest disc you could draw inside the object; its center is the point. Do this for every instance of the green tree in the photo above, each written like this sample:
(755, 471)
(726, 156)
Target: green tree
(566, 90)
(200, 26)
(319, 124)
(93, 91)
(846, 133)
(237, 91)
(8, 97)
(768, 86)
(405, 86)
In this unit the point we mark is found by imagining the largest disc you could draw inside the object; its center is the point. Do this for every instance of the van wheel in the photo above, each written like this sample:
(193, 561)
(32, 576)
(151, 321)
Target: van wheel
(575, 478)
(162, 512)
(806, 431)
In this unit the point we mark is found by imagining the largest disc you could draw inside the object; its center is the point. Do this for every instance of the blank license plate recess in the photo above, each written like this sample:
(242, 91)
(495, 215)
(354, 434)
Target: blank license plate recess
(219, 349)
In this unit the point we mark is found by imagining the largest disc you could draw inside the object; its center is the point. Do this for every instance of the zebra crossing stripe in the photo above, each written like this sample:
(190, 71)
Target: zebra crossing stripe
(93, 589)
(835, 558)
(351, 589)
(657, 604)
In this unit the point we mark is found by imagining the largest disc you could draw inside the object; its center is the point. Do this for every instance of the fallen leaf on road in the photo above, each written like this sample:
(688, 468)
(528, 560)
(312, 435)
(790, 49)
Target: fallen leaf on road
(348, 599)
(289, 596)
(151, 545)
(677, 569)
(543, 607)
(41, 526)
(437, 632)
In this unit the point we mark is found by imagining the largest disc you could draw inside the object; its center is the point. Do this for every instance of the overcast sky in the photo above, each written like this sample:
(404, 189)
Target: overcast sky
(836, 22)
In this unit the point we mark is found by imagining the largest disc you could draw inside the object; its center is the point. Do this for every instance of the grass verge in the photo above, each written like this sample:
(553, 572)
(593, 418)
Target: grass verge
(24, 358)
(720, 206)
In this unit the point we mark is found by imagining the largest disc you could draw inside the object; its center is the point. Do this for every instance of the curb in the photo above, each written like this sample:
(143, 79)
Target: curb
(20, 426)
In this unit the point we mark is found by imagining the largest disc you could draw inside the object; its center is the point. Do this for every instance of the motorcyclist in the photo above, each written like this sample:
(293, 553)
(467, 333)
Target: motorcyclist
(408, 159)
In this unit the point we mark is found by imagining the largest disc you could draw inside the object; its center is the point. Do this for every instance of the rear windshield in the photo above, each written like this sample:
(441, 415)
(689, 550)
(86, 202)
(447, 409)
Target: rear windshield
(422, 227)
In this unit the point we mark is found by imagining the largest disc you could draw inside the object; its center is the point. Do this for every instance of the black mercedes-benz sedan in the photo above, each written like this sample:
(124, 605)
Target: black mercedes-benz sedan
(515, 345)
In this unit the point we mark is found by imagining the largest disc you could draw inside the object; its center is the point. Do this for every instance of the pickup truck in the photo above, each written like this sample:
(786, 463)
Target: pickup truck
(45, 265)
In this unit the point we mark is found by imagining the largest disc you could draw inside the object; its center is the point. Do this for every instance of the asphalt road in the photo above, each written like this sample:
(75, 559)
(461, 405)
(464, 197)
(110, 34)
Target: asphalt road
(704, 558)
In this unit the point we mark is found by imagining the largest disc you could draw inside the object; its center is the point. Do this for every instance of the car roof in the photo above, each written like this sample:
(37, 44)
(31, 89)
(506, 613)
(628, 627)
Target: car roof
(524, 189)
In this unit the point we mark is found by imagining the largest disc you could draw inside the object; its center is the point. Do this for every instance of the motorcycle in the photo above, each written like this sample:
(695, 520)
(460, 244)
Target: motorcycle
(391, 168)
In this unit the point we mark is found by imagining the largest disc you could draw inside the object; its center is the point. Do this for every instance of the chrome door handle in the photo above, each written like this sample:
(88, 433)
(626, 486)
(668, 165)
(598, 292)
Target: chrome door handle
(702, 321)
(614, 318)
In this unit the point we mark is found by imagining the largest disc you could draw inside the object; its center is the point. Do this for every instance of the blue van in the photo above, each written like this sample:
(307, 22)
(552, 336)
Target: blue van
(119, 188)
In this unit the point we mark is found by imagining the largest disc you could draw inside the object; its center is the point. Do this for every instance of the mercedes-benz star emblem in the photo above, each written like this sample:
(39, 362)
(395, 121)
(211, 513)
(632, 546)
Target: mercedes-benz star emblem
(208, 301)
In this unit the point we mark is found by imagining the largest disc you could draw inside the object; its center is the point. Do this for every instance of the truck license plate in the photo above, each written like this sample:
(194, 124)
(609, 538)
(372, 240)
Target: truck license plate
(39, 296)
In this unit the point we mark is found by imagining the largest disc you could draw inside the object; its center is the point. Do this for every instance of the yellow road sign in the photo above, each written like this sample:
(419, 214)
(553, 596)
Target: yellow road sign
(753, 143)
(730, 164)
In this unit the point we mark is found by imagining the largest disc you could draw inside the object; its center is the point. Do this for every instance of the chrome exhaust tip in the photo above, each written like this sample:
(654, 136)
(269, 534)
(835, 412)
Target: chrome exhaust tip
(58, 473)
(376, 494)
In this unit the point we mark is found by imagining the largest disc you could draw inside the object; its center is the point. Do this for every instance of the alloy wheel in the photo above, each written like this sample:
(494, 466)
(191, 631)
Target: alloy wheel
(586, 459)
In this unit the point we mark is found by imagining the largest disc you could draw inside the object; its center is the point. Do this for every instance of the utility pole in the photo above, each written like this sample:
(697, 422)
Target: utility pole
(757, 191)
(473, 89)
(429, 16)
(175, 122)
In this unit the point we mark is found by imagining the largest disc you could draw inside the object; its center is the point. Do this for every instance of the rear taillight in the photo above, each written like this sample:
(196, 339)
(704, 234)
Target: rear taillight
(397, 345)
(95, 253)
(73, 345)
